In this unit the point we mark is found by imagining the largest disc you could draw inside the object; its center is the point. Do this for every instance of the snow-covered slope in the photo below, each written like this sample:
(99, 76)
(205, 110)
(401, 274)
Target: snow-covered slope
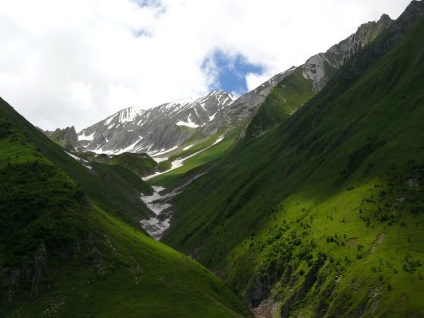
(167, 127)
(158, 129)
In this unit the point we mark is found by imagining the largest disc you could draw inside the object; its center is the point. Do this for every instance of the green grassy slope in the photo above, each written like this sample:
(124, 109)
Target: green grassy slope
(141, 164)
(196, 165)
(67, 138)
(62, 254)
(124, 200)
(324, 214)
(284, 99)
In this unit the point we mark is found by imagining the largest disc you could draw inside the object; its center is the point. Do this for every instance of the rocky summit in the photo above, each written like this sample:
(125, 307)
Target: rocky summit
(155, 130)
(301, 198)
(190, 121)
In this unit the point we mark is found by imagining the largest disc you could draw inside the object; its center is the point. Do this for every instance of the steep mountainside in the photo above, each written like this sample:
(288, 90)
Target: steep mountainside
(322, 215)
(305, 81)
(66, 250)
(140, 164)
(158, 129)
(189, 122)
(66, 137)
(319, 68)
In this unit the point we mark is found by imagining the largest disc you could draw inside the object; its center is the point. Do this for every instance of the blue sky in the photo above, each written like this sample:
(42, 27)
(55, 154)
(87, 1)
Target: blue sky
(231, 72)
(81, 61)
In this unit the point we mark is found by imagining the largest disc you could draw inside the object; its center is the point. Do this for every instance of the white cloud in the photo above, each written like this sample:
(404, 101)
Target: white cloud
(76, 62)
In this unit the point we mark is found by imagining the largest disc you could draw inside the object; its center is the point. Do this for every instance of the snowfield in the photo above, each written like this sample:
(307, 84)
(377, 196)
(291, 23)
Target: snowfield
(180, 162)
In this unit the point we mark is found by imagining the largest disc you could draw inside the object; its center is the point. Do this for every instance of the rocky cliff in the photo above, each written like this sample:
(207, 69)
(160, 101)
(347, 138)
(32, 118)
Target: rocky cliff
(320, 67)
(66, 137)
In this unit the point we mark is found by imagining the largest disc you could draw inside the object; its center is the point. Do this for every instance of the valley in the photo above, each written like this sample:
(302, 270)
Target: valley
(301, 198)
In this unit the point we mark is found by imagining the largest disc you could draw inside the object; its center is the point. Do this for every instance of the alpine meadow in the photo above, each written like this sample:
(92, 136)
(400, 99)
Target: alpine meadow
(301, 198)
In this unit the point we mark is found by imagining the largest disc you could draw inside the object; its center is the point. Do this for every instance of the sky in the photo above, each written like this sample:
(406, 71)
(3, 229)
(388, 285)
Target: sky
(65, 63)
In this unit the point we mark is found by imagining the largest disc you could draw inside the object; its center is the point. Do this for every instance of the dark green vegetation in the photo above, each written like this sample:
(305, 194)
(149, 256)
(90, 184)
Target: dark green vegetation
(164, 165)
(141, 164)
(70, 245)
(323, 214)
(67, 138)
(285, 98)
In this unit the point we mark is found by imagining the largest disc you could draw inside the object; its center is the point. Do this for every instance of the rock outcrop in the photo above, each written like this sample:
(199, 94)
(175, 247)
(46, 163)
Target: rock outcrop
(66, 137)
(319, 68)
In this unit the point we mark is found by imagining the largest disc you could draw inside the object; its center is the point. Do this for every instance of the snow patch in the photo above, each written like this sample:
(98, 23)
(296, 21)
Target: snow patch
(162, 151)
(76, 158)
(179, 162)
(188, 123)
(159, 205)
(84, 162)
(188, 147)
(160, 159)
(83, 136)
(155, 226)
(141, 122)
(129, 114)
(127, 149)
(182, 102)
(107, 122)
(217, 141)
(212, 117)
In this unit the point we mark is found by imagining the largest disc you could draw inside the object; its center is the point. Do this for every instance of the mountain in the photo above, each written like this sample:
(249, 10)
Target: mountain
(71, 243)
(158, 129)
(67, 138)
(304, 196)
(270, 103)
(140, 164)
(321, 213)
(189, 122)
(319, 68)
(302, 83)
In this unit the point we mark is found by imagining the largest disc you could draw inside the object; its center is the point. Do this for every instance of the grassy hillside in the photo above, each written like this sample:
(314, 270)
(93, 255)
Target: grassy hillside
(65, 252)
(207, 155)
(96, 183)
(284, 99)
(140, 164)
(323, 214)
(67, 138)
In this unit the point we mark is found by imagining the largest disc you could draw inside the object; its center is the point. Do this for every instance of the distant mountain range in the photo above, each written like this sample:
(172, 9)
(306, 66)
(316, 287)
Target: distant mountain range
(158, 129)
(185, 123)
(304, 196)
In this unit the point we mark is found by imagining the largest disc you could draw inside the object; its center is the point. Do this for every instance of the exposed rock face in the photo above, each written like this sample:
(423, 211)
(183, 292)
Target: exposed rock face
(66, 137)
(158, 129)
(245, 107)
(320, 67)
(171, 125)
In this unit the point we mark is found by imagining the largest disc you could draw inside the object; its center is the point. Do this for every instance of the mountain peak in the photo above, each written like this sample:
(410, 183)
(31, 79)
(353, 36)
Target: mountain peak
(158, 129)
